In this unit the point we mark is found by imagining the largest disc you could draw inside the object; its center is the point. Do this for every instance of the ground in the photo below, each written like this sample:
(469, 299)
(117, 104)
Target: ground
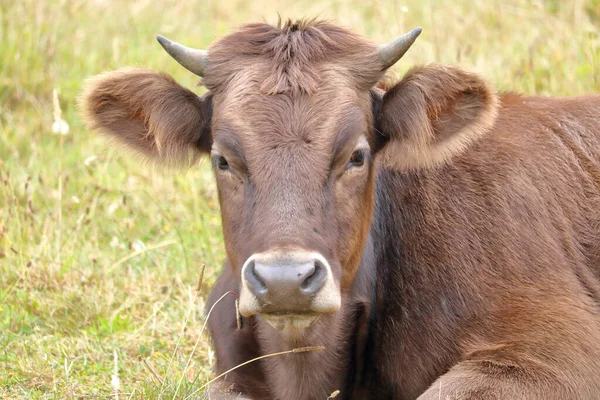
(100, 254)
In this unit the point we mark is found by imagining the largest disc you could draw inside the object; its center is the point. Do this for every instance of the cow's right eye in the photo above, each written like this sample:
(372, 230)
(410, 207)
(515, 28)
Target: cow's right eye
(357, 159)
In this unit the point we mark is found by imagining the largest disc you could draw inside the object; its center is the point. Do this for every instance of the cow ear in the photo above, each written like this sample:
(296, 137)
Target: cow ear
(150, 114)
(433, 114)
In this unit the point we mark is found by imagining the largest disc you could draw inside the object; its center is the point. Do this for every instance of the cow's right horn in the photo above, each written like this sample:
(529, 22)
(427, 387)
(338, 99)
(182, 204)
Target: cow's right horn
(193, 60)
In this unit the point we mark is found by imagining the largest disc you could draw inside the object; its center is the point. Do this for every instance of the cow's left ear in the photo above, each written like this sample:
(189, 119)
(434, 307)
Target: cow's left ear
(432, 115)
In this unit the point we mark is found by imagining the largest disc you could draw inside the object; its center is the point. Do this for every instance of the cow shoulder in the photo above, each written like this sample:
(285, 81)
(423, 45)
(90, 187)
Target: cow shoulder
(432, 115)
(149, 113)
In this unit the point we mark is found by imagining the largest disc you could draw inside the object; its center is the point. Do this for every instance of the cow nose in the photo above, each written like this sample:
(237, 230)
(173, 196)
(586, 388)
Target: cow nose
(285, 283)
(291, 280)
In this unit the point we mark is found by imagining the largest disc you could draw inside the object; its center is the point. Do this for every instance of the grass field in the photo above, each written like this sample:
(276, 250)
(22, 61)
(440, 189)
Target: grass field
(99, 254)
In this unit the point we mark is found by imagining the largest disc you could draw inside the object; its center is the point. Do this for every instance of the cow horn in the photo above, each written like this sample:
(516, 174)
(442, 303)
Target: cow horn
(193, 60)
(391, 52)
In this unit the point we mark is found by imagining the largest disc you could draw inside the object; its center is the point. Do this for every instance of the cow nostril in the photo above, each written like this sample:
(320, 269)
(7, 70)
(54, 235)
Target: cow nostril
(254, 280)
(313, 281)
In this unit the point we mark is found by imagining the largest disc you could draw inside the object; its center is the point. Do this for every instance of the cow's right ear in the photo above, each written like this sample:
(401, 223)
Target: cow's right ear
(149, 113)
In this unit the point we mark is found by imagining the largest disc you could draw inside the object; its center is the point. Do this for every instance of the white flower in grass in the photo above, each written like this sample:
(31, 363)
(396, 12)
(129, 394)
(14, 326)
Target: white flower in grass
(138, 245)
(114, 206)
(59, 126)
(88, 161)
(114, 242)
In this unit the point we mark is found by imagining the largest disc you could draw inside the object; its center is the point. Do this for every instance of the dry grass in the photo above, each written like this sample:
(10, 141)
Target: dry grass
(99, 255)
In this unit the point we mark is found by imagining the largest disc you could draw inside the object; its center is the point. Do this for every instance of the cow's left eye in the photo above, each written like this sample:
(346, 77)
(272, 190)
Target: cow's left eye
(357, 159)
(220, 162)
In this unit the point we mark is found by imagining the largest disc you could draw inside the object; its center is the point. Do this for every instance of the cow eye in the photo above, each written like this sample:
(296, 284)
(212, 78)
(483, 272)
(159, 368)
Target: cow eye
(221, 163)
(357, 159)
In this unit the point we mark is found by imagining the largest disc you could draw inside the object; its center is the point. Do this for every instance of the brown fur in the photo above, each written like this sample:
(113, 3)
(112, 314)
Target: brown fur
(291, 57)
(447, 113)
(467, 248)
(123, 104)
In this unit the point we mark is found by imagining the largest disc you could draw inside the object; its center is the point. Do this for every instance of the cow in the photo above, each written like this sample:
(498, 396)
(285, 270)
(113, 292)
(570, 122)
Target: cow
(429, 239)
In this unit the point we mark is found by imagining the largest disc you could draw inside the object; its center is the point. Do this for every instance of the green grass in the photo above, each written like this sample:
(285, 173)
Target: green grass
(100, 254)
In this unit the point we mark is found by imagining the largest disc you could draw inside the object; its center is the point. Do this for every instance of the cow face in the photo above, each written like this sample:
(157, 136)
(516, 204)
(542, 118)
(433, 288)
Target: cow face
(288, 122)
(295, 179)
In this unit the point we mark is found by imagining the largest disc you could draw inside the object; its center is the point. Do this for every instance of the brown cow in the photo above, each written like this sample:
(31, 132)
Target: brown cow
(439, 240)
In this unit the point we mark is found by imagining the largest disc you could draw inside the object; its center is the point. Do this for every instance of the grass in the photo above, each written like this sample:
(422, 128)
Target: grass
(99, 254)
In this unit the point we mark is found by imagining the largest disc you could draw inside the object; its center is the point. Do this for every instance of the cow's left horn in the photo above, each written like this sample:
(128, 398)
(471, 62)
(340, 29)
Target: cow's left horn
(391, 52)
(193, 60)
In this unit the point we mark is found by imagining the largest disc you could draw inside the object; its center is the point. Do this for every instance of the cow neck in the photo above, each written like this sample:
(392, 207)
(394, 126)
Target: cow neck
(343, 334)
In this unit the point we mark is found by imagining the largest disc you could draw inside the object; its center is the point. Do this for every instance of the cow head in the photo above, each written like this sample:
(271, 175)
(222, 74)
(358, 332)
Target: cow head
(289, 121)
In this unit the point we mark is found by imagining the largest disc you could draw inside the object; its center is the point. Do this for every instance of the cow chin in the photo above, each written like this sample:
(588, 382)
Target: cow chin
(290, 321)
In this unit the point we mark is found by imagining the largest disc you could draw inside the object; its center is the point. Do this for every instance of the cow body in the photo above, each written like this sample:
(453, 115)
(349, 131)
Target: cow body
(432, 240)
(484, 270)
(492, 270)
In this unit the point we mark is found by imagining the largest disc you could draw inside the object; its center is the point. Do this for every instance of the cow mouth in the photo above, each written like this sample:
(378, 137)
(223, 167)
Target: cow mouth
(290, 320)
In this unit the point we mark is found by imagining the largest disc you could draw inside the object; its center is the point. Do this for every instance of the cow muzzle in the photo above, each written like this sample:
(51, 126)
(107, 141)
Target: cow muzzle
(288, 288)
